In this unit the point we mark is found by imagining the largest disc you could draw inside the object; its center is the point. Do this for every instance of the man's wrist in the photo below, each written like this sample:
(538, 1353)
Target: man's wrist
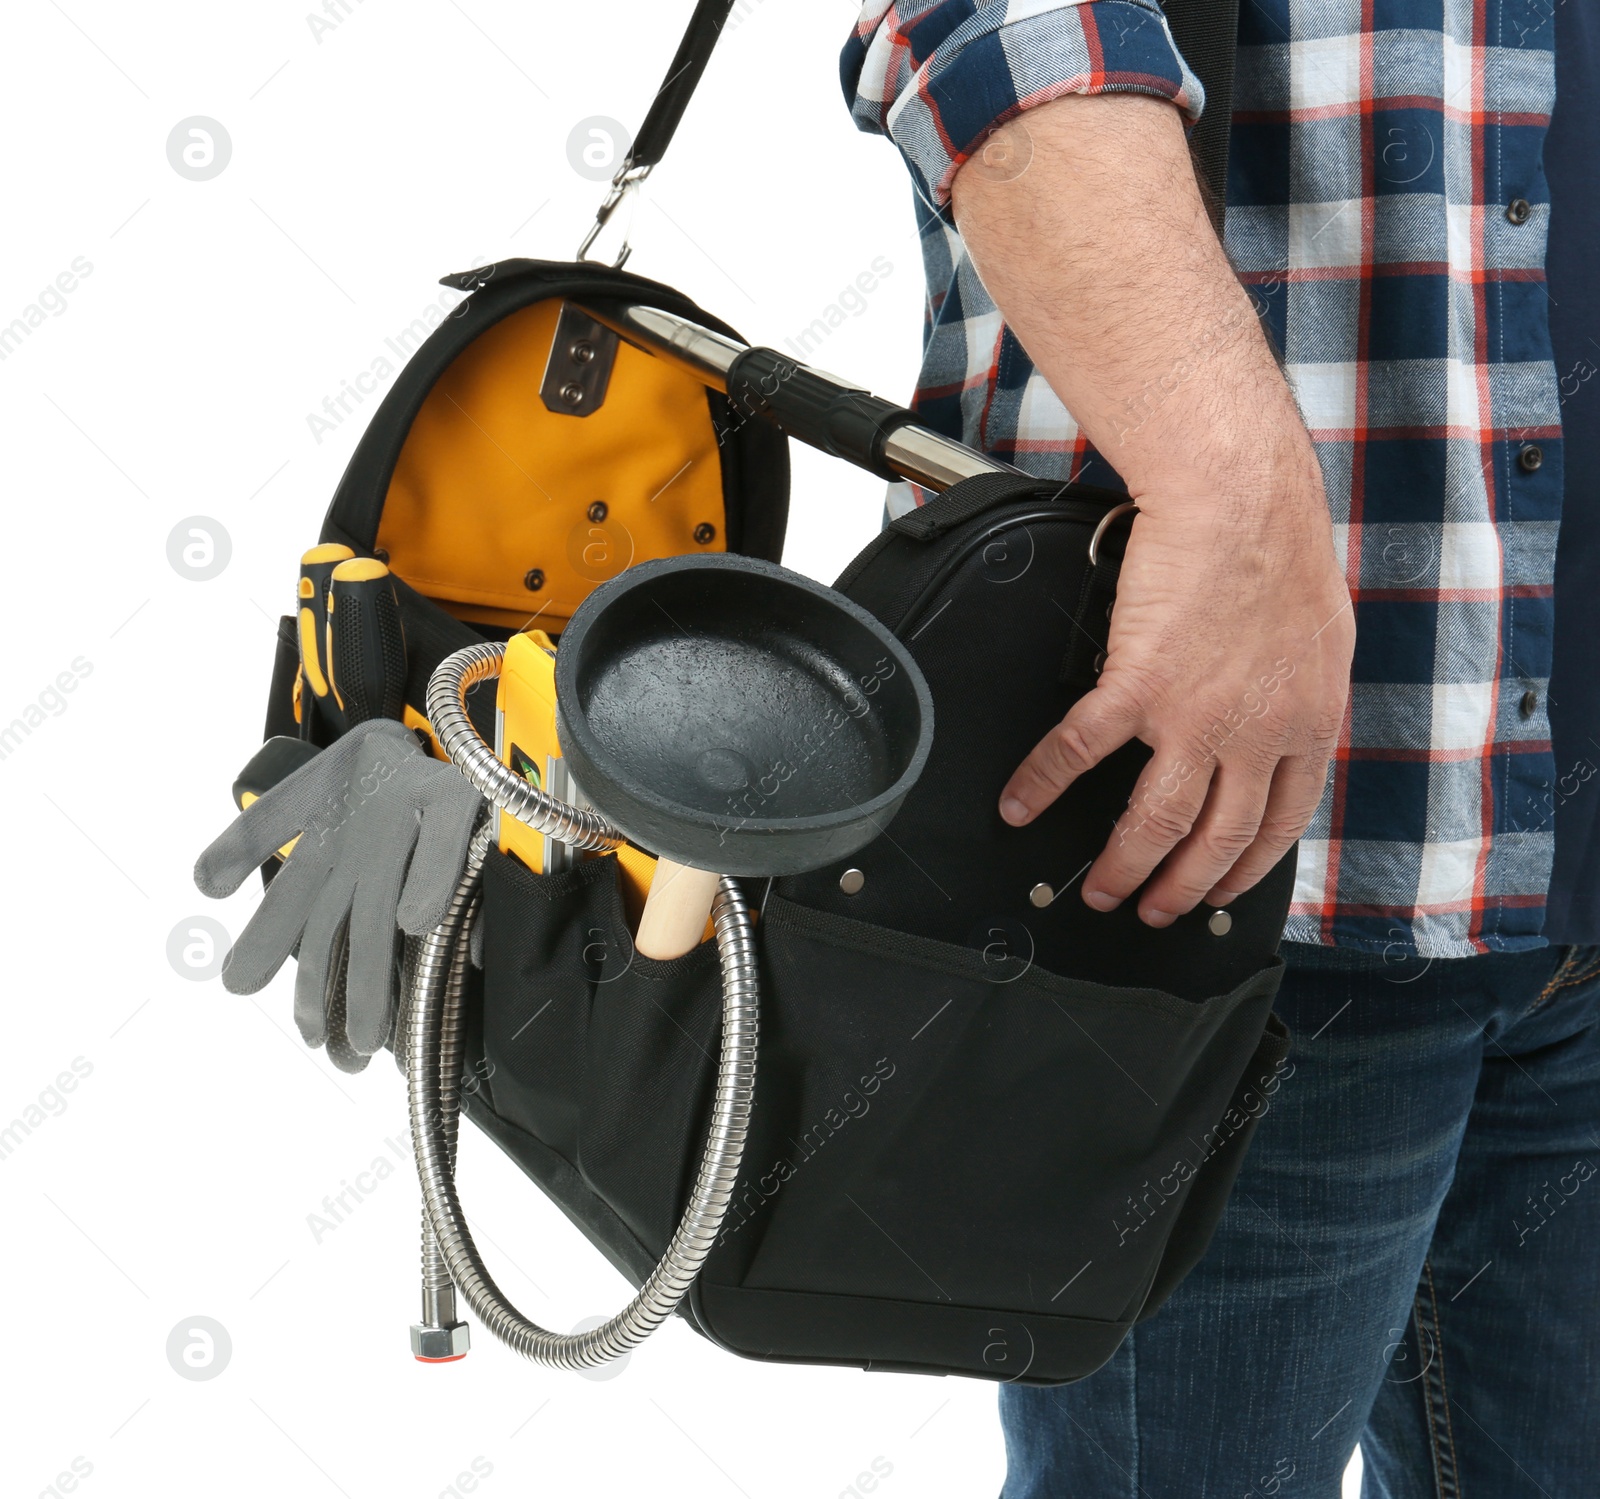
(1259, 451)
(1267, 469)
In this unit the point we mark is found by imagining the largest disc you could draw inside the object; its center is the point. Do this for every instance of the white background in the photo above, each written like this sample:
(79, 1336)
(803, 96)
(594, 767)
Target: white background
(178, 1177)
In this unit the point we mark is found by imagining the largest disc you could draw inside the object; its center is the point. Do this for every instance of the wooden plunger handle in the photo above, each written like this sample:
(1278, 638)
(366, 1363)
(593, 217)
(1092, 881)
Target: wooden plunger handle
(675, 911)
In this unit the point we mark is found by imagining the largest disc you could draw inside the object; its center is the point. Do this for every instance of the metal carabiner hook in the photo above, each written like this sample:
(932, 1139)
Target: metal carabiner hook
(626, 181)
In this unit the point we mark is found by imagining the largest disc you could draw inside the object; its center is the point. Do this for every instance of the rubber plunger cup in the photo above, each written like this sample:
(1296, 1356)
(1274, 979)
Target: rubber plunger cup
(737, 718)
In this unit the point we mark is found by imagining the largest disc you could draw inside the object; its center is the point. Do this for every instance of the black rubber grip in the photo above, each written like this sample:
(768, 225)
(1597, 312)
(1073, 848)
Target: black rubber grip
(850, 423)
(369, 649)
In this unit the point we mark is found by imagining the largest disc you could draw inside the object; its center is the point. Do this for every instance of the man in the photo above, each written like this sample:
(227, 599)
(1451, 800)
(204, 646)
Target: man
(1409, 1259)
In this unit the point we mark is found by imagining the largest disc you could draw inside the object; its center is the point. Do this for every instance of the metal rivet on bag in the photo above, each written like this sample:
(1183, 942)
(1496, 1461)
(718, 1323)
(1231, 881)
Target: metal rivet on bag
(582, 352)
(1220, 923)
(533, 579)
(851, 881)
(597, 511)
(572, 393)
(705, 532)
(1041, 895)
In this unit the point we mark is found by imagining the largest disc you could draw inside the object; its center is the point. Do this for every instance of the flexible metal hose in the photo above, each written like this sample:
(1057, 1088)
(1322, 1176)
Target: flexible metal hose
(438, 1288)
(434, 1034)
(504, 788)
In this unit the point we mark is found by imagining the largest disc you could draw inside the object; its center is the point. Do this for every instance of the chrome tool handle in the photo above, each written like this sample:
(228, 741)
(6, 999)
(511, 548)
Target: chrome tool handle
(818, 408)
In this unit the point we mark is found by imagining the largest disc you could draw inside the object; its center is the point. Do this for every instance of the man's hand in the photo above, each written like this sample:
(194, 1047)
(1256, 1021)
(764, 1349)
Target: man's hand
(1230, 644)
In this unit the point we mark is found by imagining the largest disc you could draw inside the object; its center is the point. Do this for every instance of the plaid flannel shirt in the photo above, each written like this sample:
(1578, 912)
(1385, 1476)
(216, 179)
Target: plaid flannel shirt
(1387, 210)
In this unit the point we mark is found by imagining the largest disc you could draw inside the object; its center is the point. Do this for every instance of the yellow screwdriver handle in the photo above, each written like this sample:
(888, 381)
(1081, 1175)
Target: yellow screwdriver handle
(316, 573)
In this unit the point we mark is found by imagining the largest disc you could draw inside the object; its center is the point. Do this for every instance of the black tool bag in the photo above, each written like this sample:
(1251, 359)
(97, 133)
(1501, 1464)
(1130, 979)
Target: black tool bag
(993, 1128)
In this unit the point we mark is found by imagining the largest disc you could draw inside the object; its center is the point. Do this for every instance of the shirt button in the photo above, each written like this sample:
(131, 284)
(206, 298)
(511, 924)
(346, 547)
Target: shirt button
(1519, 211)
(1529, 704)
(1531, 458)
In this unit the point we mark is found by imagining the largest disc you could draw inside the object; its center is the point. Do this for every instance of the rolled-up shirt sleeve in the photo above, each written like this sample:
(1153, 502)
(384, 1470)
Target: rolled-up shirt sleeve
(938, 76)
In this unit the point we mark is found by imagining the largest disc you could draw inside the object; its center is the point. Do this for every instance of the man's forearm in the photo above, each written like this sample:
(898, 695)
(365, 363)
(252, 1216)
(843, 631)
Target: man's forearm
(1086, 223)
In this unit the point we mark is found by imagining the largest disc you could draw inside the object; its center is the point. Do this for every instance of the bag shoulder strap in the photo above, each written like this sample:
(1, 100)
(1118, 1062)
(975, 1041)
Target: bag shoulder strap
(1207, 33)
(683, 77)
(662, 118)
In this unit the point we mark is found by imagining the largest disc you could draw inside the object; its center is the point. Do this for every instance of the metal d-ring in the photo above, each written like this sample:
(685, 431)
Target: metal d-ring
(1127, 507)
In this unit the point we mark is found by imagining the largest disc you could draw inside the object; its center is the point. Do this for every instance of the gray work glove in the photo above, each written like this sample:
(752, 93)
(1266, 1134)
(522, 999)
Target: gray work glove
(382, 832)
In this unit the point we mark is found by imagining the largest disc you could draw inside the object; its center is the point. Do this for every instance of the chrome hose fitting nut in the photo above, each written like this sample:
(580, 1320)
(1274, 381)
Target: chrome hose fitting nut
(440, 1345)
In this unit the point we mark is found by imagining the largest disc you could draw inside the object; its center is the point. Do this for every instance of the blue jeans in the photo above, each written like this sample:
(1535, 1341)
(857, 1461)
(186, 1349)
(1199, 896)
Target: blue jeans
(1411, 1260)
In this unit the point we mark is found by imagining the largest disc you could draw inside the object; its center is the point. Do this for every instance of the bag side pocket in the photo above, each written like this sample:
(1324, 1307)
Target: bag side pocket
(599, 1060)
(932, 1129)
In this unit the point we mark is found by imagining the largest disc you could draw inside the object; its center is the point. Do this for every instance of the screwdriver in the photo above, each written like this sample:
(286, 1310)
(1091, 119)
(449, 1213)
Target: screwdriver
(366, 644)
(316, 569)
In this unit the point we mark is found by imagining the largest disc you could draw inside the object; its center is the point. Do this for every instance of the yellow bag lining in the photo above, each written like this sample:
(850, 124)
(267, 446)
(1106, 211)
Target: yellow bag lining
(491, 485)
